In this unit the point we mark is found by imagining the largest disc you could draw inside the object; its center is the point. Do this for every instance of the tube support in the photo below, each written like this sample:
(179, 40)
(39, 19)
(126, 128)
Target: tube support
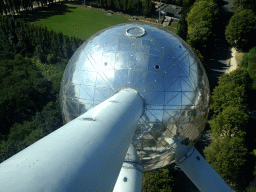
(198, 170)
(86, 154)
(130, 176)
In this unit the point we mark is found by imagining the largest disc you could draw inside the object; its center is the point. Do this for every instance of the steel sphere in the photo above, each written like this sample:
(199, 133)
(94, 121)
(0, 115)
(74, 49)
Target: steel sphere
(161, 67)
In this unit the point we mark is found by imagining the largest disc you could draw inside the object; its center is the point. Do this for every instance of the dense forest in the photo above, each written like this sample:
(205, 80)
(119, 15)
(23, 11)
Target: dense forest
(32, 61)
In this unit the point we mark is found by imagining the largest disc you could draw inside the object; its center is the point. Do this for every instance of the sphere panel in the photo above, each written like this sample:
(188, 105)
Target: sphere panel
(86, 92)
(171, 84)
(124, 45)
(161, 67)
(185, 86)
(156, 48)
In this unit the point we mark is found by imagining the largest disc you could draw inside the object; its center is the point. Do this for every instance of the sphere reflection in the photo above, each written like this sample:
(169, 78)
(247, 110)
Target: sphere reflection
(156, 63)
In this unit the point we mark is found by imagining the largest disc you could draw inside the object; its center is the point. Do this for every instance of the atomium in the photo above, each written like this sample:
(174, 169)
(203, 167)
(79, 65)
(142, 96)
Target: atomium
(161, 67)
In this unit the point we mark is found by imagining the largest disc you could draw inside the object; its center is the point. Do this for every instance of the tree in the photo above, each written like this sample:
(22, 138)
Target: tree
(40, 53)
(49, 119)
(227, 95)
(133, 6)
(18, 132)
(228, 157)
(233, 90)
(249, 63)
(199, 35)
(182, 27)
(239, 77)
(202, 11)
(232, 121)
(34, 136)
(157, 180)
(253, 153)
(9, 148)
(25, 134)
(244, 4)
(241, 30)
(23, 91)
(21, 46)
(110, 4)
(55, 48)
(201, 20)
(124, 4)
(117, 4)
(60, 39)
(147, 7)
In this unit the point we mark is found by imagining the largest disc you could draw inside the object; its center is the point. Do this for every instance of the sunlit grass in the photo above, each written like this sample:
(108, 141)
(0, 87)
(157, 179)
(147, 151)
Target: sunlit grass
(84, 22)
(81, 23)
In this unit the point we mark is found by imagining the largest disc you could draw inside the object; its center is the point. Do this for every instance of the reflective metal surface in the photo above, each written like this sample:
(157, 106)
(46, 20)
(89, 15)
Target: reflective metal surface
(161, 67)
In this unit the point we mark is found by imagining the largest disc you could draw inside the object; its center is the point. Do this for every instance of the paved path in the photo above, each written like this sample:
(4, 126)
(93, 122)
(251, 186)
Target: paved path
(233, 63)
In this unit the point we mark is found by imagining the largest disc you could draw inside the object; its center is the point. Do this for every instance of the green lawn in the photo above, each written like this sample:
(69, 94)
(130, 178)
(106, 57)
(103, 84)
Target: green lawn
(78, 22)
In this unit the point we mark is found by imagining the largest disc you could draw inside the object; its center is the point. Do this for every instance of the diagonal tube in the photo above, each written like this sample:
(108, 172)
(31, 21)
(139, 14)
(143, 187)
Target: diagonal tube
(86, 154)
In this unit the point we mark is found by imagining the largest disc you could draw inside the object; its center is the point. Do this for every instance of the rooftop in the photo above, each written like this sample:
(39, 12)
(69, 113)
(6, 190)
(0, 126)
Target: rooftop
(172, 9)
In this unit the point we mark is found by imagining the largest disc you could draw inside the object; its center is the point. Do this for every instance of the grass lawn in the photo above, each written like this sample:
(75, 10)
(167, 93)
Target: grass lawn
(76, 21)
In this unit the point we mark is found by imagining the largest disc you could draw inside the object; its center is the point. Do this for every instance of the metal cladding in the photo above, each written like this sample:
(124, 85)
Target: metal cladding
(161, 67)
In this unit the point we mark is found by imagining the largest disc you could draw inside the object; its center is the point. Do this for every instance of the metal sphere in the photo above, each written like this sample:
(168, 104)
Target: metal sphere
(161, 67)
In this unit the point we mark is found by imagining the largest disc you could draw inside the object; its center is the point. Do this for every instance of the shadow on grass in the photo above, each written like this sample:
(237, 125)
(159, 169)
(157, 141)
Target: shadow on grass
(46, 12)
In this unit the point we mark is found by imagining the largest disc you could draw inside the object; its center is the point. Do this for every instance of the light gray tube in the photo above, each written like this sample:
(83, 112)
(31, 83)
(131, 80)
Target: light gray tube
(84, 155)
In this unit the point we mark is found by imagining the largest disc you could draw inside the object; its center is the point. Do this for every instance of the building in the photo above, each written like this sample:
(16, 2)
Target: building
(171, 10)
